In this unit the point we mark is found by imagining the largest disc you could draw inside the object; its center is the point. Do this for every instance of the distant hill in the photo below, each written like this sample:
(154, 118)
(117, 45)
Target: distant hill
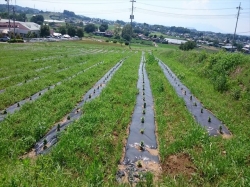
(19, 9)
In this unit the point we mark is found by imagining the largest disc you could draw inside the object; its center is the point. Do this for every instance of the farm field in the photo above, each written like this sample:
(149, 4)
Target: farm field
(42, 83)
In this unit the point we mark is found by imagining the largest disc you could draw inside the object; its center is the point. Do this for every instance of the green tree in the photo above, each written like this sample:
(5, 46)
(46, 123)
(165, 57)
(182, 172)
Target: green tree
(103, 27)
(81, 24)
(127, 32)
(44, 30)
(21, 17)
(187, 46)
(90, 28)
(79, 32)
(39, 19)
(62, 30)
(71, 30)
(34, 35)
(29, 34)
(117, 31)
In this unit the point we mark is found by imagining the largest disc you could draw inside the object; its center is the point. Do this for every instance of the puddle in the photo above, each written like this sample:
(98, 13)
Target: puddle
(203, 116)
(51, 137)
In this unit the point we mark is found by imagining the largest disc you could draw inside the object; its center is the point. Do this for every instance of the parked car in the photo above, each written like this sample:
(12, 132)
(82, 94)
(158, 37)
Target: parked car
(4, 39)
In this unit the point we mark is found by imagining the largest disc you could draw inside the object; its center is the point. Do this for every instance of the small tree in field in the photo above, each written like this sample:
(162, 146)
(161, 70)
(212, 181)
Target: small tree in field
(187, 46)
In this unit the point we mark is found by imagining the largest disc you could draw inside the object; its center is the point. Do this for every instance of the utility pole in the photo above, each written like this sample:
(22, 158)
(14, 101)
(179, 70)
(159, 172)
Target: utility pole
(14, 19)
(132, 16)
(239, 8)
(8, 4)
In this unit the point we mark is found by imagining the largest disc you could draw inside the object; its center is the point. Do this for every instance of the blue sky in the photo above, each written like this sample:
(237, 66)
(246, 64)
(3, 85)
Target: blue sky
(213, 15)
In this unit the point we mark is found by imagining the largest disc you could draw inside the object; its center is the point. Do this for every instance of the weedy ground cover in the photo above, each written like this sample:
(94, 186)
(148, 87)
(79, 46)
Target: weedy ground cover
(89, 151)
(36, 69)
(217, 161)
(17, 93)
(21, 130)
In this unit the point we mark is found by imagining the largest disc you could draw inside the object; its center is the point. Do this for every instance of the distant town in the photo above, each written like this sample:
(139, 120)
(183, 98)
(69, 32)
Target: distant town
(32, 23)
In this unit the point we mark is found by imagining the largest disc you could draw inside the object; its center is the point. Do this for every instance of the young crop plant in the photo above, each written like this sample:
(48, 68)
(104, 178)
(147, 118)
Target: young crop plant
(209, 119)
(195, 104)
(58, 127)
(191, 97)
(142, 120)
(142, 131)
(68, 118)
(142, 146)
(220, 130)
(45, 144)
(143, 111)
(144, 105)
(18, 104)
(139, 165)
(201, 110)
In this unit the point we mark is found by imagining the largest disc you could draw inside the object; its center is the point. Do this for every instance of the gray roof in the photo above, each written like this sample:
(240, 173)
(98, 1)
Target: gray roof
(29, 25)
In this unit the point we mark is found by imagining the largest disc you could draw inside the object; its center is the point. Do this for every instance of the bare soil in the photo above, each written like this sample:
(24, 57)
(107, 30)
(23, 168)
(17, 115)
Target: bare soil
(179, 164)
(237, 72)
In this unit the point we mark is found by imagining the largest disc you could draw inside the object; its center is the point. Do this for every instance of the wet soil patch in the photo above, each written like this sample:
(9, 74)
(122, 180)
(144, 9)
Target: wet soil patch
(179, 164)
(203, 116)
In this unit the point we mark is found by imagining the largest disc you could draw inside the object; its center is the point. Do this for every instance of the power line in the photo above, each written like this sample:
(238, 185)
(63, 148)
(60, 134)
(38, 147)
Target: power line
(185, 8)
(83, 3)
(245, 32)
(190, 15)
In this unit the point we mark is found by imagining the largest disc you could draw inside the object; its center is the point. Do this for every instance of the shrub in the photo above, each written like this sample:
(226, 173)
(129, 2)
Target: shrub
(236, 93)
(187, 46)
(126, 43)
(220, 83)
(16, 41)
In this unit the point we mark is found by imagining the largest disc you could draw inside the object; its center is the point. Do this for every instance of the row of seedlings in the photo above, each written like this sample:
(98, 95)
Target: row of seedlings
(40, 77)
(46, 143)
(141, 154)
(42, 63)
(15, 107)
(203, 116)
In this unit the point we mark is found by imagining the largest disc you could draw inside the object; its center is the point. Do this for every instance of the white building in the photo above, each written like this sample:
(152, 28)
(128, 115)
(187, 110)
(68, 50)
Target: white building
(21, 28)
